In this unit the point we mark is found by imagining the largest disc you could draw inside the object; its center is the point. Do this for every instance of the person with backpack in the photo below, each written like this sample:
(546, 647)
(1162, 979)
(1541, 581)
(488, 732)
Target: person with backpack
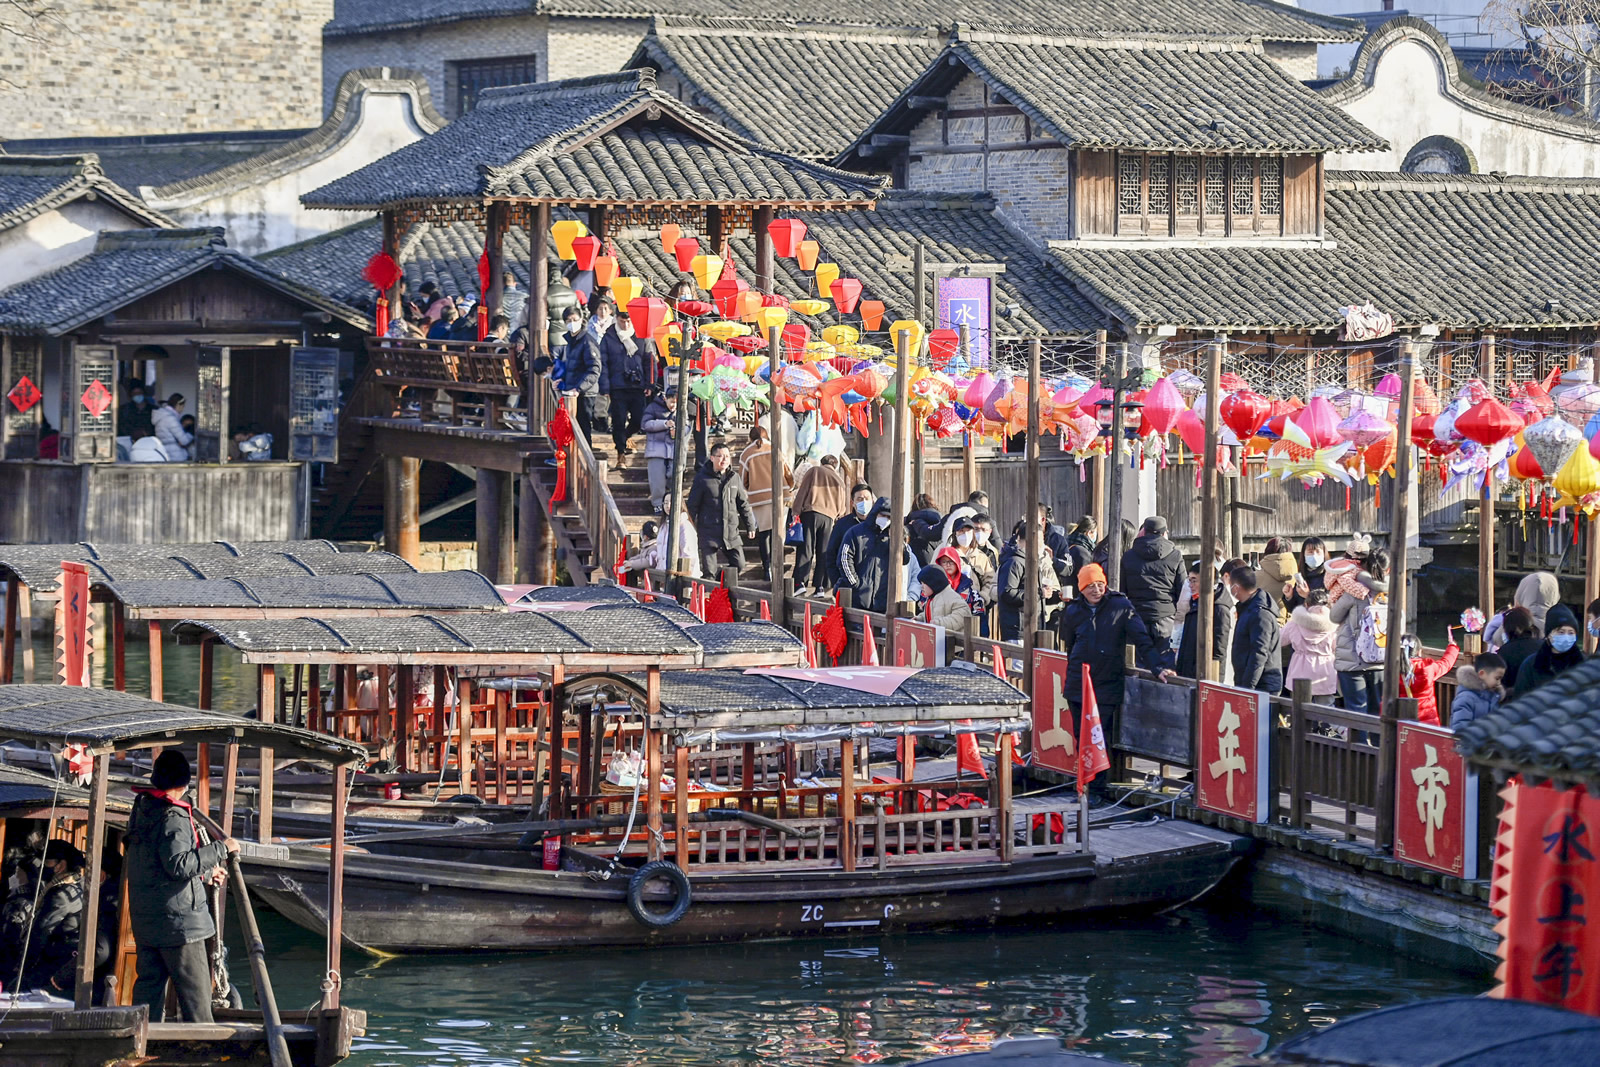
(1359, 646)
(923, 527)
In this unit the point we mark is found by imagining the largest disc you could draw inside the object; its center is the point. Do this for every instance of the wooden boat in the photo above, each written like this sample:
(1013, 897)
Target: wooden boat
(101, 1027)
(748, 859)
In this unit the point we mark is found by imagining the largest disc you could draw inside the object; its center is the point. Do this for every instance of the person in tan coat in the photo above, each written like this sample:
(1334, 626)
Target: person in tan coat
(1276, 571)
(821, 497)
(755, 467)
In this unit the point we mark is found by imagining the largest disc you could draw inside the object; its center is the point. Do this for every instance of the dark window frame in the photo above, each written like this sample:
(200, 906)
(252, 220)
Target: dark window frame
(470, 77)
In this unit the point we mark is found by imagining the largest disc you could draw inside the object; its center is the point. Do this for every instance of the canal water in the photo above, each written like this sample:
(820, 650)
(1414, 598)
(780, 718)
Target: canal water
(1205, 987)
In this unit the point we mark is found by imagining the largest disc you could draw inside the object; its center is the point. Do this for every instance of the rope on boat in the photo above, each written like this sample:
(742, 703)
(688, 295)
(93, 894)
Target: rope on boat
(38, 891)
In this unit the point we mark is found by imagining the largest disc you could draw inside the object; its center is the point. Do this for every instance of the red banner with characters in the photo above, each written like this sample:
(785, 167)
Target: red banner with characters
(1547, 889)
(1054, 745)
(917, 644)
(1232, 753)
(1435, 802)
(72, 625)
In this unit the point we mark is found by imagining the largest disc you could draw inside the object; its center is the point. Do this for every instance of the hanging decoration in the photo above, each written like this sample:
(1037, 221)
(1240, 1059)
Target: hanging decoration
(606, 270)
(825, 275)
(872, 312)
(707, 270)
(670, 232)
(584, 249)
(685, 250)
(1487, 422)
(1552, 440)
(786, 236)
(564, 233)
(806, 254)
(846, 294)
(625, 290)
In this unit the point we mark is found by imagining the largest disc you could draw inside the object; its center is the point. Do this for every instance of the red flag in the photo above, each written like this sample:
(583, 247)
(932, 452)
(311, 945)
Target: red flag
(999, 663)
(647, 589)
(967, 757)
(1000, 673)
(622, 560)
(810, 641)
(1092, 758)
(766, 610)
(869, 647)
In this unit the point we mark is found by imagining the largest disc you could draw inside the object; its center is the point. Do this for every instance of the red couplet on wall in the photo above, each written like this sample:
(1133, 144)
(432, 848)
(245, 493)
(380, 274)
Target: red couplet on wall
(1234, 735)
(916, 644)
(72, 625)
(1054, 745)
(1435, 803)
(1547, 888)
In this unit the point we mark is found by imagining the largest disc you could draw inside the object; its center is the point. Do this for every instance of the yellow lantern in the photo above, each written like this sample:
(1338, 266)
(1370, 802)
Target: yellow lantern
(808, 307)
(670, 232)
(1579, 479)
(827, 274)
(707, 269)
(748, 305)
(838, 335)
(722, 330)
(753, 364)
(565, 232)
(625, 290)
(767, 318)
(913, 331)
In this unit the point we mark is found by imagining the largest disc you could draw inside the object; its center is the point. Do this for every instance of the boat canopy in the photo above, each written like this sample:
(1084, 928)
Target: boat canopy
(105, 720)
(23, 789)
(826, 703)
(264, 597)
(39, 566)
(597, 638)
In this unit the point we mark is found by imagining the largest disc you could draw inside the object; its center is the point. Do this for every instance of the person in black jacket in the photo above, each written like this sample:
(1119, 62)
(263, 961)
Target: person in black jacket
(53, 946)
(864, 560)
(1221, 627)
(861, 501)
(1080, 548)
(1095, 628)
(923, 529)
(581, 376)
(718, 504)
(1521, 645)
(1561, 650)
(1152, 576)
(1054, 538)
(1257, 658)
(168, 868)
(629, 365)
(1014, 579)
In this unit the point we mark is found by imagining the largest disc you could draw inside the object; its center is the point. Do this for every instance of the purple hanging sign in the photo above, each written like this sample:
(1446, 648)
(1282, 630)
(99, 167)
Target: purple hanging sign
(969, 302)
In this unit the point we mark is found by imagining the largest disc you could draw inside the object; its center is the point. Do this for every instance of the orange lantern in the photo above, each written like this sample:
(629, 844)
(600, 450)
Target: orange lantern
(871, 314)
(806, 255)
(605, 270)
(670, 232)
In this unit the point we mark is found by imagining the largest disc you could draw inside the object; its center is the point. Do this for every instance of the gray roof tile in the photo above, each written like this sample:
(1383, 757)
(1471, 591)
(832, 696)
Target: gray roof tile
(1552, 729)
(33, 184)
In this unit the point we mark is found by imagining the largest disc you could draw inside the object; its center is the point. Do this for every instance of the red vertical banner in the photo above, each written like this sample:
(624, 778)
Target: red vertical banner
(1547, 877)
(1435, 802)
(1232, 752)
(72, 625)
(916, 644)
(1054, 745)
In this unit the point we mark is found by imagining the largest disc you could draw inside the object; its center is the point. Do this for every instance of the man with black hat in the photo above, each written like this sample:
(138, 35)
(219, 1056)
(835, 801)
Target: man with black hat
(167, 870)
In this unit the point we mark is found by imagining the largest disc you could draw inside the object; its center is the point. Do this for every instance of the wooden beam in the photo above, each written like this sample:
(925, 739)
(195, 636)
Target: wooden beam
(335, 943)
(401, 528)
(266, 712)
(1400, 505)
(652, 760)
(89, 929)
(1204, 621)
(680, 806)
(496, 222)
(1486, 356)
(496, 525)
(1034, 542)
(157, 681)
(847, 804)
(925, 103)
(506, 453)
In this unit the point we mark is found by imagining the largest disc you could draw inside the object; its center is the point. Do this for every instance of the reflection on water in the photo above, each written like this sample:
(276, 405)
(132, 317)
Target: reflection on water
(1198, 988)
(232, 686)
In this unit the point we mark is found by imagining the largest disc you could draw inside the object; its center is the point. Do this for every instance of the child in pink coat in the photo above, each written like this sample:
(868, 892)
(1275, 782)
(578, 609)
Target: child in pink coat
(1312, 635)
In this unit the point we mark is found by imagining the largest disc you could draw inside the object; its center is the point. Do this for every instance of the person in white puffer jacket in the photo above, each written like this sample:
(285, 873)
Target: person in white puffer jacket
(168, 422)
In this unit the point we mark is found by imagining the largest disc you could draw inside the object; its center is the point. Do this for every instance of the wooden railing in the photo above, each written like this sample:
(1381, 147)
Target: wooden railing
(589, 490)
(456, 383)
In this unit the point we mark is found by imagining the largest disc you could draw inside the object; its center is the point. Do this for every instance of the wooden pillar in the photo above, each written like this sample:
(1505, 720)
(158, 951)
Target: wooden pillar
(119, 647)
(1034, 543)
(558, 717)
(230, 784)
(405, 714)
(680, 805)
(89, 929)
(1115, 473)
(1398, 546)
(584, 784)
(464, 739)
(25, 630)
(502, 702)
(1591, 574)
(716, 230)
(1097, 484)
(901, 492)
(969, 459)
(761, 218)
(8, 640)
(391, 245)
(401, 527)
(847, 803)
(1001, 801)
(495, 223)
(780, 557)
(538, 295)
(1486, 495)
(652, 760)
(269, 703)
(496, 525)
(1204, 621)
(341, 795)
(314, 698)
(157, 682)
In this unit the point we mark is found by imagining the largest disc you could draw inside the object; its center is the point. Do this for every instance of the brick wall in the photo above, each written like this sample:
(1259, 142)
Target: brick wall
(120, 67)
(581, 47)
(1300, 60)
(433, 51)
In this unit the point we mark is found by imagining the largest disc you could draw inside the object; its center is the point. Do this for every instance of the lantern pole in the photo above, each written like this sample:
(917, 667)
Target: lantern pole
(1399, 515)
(1032, 608)
(1486, 356)
(1097, 485)
(680, 422)
(1204, 664)
(900, 490)
(780, 591)
(969, 461)
(1114, 473)
(919, 311)
(1591, 574)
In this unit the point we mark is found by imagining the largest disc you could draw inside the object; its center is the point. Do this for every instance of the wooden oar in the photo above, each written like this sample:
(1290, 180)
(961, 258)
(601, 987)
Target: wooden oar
(277, 1043)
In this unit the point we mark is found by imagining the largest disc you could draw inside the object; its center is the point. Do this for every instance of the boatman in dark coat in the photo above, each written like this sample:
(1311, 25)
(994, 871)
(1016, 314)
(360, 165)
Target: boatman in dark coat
(1095, 628)
(168, 869)
(718, 504)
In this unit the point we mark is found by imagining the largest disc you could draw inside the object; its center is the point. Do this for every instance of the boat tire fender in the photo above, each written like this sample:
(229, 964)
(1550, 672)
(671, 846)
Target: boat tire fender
(645, 875)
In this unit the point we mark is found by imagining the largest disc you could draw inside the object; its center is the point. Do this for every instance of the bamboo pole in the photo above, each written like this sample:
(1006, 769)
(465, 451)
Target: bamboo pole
(1486, 535)
(1114, 474)
(335, 946)
(778, 577)
(680, 423)
(1097, 484)
(89, 930)
(1401, 503)
(267, 713)
(969, 461)
(1032, 608)
(901, 491)
(1204, 622)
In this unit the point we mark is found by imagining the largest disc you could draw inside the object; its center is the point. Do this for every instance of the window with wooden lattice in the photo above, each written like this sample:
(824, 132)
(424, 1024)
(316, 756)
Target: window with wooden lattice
(1130, 180)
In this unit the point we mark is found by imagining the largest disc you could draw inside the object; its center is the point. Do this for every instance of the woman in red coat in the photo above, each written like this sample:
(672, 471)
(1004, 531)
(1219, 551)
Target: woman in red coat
(1419, 674)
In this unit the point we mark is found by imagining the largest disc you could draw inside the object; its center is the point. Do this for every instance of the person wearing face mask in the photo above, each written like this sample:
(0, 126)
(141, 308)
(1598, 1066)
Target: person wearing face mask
(136, 413)
(719, 506)
(54, 943)
(629, 362)
(1559, 651)
(1311, 574)
(581, 376)
(861, 501)
(1592, 622)
(819, 499)
(864, 559)
(983, 569)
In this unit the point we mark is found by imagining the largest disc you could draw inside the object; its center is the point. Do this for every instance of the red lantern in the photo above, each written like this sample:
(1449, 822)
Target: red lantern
(685, 249)
(846, 294)
(774, 300)
(605, 269)
(786, 236)
(1162, 406)
(871, 314)
(747, 344)
(647, 313)
(1422, 430)
(584, 249)
(1244, 412)
(1488, 423)
(726, 294)
(942, 346)
(793, 340)
(1524, 466)
(1380, 453)
(695, 308)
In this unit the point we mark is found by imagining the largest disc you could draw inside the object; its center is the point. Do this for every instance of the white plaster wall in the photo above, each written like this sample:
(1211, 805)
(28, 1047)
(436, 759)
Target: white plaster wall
(56, 238)
(260, 217)
(1407, 103)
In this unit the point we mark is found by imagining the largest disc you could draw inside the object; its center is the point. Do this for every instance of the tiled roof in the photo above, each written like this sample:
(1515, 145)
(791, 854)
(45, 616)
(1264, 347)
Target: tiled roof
(612, 137)
(1456, 251)
(952, 229)
(30, 185)
(831, 83)
(1554, 729)
(1236, 19)
(436, 590)
(161, 158)
(1141, 95)
(128, 264)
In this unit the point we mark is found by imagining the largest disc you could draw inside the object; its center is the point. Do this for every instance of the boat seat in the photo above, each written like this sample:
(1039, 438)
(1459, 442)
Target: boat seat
(226, 1031)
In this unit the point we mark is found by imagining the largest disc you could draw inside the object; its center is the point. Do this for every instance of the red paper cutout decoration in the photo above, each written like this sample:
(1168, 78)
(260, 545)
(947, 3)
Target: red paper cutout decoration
(831, 632)
(381, 271)
(24, 394)
(719, 606)
(97, 398)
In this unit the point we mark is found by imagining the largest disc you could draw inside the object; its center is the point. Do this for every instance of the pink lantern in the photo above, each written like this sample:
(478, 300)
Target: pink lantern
(1364, 428)
(1089, 403)
(1389, 387)
(1191, 430)
(978, 391)
(1317, 423)
(1162, 405)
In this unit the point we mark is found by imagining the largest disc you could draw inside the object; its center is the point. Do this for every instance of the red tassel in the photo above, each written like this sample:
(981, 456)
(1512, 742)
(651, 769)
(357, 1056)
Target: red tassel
(560, 431)
(381, 318)
(1377, 493)
(483, 323)
(1347, 498)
